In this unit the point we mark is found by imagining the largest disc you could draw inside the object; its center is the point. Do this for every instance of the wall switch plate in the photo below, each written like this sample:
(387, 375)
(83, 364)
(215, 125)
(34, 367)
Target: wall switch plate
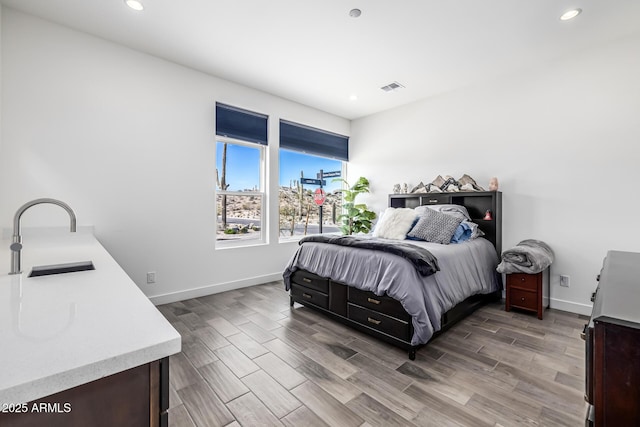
(151, 277)
(564, 280)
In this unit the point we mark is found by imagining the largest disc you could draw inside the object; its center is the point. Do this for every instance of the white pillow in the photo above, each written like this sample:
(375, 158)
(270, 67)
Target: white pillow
(395, 223)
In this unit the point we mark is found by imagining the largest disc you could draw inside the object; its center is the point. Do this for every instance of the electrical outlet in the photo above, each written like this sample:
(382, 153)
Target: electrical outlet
(151, 277)
(564, 280)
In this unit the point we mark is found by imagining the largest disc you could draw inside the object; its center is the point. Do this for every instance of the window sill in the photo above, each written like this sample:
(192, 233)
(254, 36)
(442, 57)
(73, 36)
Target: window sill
(235, 244)
(297, 238)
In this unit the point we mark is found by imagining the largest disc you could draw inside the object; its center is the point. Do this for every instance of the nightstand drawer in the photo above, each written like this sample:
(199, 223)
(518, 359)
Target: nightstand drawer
(310, 295)
(384, 304)
(523, 299)
(380, 322)
(523, 281)
(310, 280)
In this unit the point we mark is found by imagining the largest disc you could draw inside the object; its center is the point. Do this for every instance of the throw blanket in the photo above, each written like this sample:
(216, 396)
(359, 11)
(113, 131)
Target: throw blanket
(423, 261)
(529, 256)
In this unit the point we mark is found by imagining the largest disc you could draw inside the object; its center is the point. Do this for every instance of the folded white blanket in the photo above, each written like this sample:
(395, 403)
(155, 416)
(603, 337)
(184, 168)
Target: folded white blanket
(529, 256)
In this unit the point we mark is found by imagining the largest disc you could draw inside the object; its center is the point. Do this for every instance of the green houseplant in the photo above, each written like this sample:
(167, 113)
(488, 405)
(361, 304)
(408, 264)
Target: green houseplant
(356, 218)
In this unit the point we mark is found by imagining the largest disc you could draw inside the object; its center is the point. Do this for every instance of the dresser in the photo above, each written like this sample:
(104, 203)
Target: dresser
(613, 344)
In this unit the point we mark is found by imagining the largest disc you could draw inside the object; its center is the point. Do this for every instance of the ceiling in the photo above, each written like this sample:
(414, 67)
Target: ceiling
(314, 53)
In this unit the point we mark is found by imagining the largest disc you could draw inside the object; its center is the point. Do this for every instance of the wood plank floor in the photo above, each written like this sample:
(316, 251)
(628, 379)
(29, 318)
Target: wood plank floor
(248, 359)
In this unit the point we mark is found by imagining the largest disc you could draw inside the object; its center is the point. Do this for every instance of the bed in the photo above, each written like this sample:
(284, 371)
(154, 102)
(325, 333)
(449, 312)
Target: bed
(387, 295)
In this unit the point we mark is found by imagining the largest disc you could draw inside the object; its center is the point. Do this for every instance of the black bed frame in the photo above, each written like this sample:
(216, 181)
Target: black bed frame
(384, 317)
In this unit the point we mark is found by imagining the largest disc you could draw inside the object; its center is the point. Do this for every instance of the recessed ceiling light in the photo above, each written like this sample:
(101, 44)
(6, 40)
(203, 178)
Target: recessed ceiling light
(354, 13)
(570, 14)
(134, 4)
(353, 97)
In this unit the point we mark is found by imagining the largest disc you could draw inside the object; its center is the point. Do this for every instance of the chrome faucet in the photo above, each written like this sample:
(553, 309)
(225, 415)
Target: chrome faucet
(16, 246)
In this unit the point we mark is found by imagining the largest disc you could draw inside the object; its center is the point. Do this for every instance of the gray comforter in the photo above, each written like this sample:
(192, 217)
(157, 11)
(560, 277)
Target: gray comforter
(529, 256)
(423, 260)
(465, 269)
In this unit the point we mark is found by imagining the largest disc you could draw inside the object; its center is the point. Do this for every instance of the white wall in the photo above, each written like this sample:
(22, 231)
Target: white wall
(127, 140)
(562, 139)
(0, 87)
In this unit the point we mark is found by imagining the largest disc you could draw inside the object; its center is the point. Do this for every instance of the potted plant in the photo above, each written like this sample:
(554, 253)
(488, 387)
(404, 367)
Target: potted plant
(356, 218)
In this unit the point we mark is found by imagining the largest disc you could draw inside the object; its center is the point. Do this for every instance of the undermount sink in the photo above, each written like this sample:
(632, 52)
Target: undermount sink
(46, 270)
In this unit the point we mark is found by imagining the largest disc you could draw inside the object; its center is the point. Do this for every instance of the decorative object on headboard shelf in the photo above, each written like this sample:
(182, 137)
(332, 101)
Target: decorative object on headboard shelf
(450, 185)
(420, 188)
(438, 181)
(405, 188)
(487, 215)
(493, 184)
(466, 183)
(447, 185)
(396, 189)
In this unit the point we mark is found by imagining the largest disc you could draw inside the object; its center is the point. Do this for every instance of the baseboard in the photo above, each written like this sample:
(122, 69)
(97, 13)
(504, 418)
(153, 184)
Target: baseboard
(572, 307)
(558, 304)
(213, 289)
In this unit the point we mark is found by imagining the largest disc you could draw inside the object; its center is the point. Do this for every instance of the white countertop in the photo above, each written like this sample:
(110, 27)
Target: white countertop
(60, 331)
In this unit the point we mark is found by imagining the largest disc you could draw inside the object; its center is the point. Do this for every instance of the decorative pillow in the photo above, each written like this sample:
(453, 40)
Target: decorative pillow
(455, 210)
(435, 227)
(395, 223)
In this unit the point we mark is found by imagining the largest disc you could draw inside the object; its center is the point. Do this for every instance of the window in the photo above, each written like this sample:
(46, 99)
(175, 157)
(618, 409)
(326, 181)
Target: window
(240, 159)
(304, 152)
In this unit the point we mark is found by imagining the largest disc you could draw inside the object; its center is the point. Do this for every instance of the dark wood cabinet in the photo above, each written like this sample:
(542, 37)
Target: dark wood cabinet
(527, 291)
(612, 339)
(137, 397)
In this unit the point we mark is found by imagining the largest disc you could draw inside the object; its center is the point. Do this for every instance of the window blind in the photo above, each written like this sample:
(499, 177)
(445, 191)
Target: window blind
(241, 124)
(313, 141)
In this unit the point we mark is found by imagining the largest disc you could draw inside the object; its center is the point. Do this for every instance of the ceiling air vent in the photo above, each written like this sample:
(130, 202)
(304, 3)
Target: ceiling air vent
(391, 87)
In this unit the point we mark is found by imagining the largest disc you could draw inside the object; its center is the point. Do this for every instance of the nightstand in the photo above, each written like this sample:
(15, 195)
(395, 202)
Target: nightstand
(527, 291)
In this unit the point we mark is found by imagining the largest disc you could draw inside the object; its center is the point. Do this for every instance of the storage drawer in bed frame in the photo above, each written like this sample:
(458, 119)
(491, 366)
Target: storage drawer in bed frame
(383, 304)
(381, 322)
(310, 296)
(382, 317)
(354, 308)
(311, 281)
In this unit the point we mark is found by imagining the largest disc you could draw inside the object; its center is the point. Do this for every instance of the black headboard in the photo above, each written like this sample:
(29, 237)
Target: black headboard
(476, 202)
